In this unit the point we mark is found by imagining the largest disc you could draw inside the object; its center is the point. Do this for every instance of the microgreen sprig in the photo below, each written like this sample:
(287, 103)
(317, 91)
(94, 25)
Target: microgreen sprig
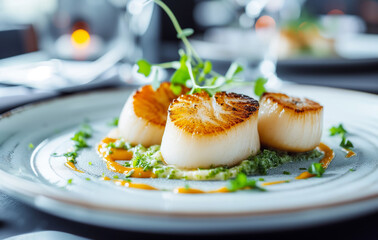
(340, 131)
(80, 142)
(316, 169)
(241, 182)
(191, 70)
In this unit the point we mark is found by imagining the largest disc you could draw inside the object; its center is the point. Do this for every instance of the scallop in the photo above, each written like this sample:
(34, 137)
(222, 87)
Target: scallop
(289, 123)
(144, 115)
(204, 131)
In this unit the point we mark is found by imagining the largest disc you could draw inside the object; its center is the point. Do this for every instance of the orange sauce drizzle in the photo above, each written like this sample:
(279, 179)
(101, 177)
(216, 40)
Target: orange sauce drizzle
(72, 166)
(120, 154)
(187, 190)
(128, 184)
(273, 183)
(329, 155)
(349, 152)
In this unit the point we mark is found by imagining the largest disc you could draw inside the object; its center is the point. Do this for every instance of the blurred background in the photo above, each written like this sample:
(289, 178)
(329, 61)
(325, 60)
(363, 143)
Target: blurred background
(54, 47)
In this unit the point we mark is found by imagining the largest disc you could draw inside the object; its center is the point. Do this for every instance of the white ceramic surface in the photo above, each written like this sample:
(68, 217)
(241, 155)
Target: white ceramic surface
(40, 180)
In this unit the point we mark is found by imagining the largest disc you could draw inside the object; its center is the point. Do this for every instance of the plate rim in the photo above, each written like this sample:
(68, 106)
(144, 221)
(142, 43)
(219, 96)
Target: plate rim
(40, 190)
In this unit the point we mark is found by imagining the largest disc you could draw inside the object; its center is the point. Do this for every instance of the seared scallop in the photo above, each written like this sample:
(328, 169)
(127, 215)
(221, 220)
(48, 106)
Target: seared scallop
(144, 115)
(289, 123)
(204, 131)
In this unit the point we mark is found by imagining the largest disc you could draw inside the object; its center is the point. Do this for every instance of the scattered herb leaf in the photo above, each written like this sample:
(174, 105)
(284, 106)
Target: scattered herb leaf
(69, 181)
(317, 169)
(144, 67)
(260, 86)
(80, 142)
(286, 173)
(88, 179)
(31, 145)
(341, 131)
(337, 130)
(241, 182)
(346, 143)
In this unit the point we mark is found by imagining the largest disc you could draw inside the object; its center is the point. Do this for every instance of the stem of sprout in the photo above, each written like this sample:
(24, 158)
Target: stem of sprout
(178, 28)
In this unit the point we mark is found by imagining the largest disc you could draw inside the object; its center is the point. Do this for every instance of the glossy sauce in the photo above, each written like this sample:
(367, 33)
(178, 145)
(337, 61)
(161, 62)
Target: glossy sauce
(350, 153)
(120, 154)
(273, 183)
(129, 184)
(184, 190)
(329, 155)
(72, 166)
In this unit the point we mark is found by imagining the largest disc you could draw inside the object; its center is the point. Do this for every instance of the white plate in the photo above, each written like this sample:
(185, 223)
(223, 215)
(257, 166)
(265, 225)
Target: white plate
(40, 180)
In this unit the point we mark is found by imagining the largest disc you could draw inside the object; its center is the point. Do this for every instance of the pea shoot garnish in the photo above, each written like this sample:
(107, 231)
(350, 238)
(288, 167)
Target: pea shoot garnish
(191, 70)
(260, 86)
(316, 169)
(340, 131)
(80, 141)
(241, 182)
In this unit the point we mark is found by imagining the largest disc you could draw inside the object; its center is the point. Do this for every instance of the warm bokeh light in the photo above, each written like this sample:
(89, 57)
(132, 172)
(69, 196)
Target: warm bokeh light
(335, 12)
(80, 38)
(265, 22)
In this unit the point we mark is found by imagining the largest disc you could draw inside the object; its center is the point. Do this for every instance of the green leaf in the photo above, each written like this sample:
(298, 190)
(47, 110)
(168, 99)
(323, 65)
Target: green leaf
(346, 143)
(185, 33)
(233, 70)
(155, 81)
(207, 67)
(260, 86)
(337, 130)
(144, 67)
(181, 75)
(340, 130)
(31, 145)
(176, 89)
(317, 169)
(69, 181)
(241, 182)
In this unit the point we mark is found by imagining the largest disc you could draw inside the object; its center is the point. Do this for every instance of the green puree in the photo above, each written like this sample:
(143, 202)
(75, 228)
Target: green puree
(150, 159)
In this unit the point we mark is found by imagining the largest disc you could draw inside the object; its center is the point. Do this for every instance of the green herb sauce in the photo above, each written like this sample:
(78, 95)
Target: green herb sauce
(151, 159)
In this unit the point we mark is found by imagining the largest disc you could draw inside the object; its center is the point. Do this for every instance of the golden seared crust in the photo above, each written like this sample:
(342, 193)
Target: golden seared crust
(153, 105)
(298, 105)
(201, 114)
